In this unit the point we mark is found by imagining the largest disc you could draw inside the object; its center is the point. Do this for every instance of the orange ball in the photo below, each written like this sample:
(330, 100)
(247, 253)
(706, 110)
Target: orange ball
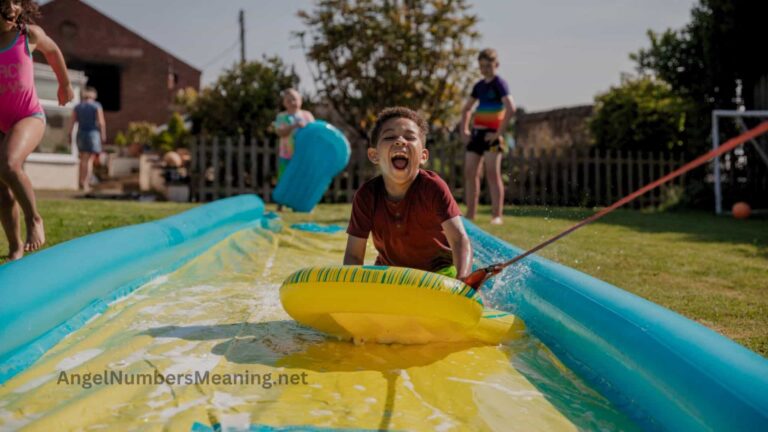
(741, 210)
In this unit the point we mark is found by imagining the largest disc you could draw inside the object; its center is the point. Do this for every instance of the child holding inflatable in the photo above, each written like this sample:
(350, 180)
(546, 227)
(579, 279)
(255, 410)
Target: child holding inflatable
(285, 125)
(22, 120)
(414, 219)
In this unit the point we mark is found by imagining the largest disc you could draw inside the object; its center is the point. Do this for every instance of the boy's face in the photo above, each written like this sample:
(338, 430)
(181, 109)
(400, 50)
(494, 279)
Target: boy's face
(488, 68)
(400, 151)
(292, 101)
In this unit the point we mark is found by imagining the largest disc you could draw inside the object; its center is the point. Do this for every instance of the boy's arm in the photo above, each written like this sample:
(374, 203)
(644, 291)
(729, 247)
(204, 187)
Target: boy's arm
(355, 252)
(466, 112)
(509, 112)
(55, 59)
(462, 249)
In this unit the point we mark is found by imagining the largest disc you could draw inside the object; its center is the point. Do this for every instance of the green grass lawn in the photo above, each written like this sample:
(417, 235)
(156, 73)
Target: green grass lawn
(72, 218)
(711, 269)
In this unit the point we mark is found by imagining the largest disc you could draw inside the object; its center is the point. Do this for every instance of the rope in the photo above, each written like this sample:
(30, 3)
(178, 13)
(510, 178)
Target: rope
(476, 278)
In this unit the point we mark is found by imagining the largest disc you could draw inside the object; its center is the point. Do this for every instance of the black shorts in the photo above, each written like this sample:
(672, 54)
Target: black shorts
(478, 144)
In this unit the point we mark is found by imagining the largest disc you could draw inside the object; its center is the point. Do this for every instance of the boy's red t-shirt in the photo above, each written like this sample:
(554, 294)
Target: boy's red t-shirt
(407, 233)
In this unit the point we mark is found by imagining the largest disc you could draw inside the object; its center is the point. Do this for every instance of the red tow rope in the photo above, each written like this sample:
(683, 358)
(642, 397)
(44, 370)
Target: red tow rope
(479, 276)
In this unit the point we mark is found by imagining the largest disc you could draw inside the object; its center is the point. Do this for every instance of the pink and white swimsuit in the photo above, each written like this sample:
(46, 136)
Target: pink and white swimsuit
(18, 97)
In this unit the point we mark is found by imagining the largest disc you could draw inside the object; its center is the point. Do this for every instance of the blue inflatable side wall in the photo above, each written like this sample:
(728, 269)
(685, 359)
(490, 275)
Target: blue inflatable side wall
(663, 369)
(645, 358)
(321, 152)
(47, 295)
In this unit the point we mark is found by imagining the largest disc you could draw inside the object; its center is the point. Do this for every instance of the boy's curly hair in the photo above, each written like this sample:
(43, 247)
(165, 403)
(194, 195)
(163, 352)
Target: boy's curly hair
(29, 11)
(397, 112)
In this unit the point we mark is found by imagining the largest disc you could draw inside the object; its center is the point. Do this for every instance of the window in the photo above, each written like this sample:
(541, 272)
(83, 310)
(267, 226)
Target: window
(106, 79)
(68, 30)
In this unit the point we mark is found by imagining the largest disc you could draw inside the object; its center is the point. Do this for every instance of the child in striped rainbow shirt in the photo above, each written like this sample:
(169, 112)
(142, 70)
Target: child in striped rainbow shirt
(495, 108)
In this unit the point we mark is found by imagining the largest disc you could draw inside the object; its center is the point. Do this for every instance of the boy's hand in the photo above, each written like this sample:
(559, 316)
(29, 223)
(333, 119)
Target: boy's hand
(65, 94)
(491, 137)
(465, 136)
(503, 145)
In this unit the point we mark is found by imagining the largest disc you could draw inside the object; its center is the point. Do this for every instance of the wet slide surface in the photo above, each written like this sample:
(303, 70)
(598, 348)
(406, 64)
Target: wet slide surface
(216, 327)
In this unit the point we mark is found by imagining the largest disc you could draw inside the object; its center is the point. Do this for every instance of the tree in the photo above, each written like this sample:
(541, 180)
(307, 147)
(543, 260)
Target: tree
(642, 114)
(185, 100)
(708, 59)
(245, 99)
(372, 54)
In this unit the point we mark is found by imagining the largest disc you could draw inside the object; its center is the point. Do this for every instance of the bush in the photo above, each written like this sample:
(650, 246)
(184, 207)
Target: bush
(144, 133)
(121, 140)
(640, 115)
(244, 100)
(140, 133)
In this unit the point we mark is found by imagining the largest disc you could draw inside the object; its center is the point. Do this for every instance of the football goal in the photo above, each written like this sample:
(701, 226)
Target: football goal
(742, 174)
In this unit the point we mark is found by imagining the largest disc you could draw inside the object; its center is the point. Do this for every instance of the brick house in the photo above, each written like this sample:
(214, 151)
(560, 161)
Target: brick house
(136, 79)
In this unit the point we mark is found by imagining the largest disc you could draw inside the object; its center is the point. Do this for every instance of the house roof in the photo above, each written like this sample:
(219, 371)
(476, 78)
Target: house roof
(72, 7)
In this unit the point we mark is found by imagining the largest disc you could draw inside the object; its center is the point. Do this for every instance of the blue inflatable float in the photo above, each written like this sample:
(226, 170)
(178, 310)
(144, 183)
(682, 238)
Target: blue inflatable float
(663, 370)
(47, 295)
(321, 152)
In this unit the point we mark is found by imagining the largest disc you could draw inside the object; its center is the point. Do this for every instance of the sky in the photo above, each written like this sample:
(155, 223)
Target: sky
(553, 53)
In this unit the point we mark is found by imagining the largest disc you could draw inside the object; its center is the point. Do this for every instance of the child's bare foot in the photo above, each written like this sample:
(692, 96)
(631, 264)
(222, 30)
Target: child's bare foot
(35, 234)
(15, 252)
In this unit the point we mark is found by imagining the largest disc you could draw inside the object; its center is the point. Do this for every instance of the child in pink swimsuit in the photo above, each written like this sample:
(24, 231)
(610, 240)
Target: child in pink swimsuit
(22, 122)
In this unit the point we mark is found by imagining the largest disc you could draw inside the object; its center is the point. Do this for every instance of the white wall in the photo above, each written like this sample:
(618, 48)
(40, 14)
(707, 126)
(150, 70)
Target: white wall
(54, 175)
(57, 171)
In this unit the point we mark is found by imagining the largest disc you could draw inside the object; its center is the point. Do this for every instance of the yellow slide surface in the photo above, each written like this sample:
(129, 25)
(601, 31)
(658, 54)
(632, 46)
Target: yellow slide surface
(210, 346)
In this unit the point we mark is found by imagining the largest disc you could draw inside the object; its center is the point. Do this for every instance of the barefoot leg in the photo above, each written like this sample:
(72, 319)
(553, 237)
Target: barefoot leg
(495, 185)
(86, 170)
(9, 217)
(17, 144)
(472, 171)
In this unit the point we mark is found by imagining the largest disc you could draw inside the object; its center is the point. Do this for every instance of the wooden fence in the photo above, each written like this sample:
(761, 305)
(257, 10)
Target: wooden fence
(593, 177)
(588, 177)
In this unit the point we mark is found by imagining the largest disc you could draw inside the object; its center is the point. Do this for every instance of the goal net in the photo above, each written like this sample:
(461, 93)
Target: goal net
(741, 174)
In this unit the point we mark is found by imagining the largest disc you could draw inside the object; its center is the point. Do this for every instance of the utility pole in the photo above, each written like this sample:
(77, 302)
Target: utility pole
(242, 36)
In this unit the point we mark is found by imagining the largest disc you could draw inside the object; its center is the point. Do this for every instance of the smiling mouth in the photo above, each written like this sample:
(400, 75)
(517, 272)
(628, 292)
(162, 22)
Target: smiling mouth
(400, 161)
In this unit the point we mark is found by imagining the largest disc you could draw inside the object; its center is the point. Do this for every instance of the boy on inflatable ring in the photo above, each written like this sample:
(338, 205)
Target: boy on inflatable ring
(411, 213)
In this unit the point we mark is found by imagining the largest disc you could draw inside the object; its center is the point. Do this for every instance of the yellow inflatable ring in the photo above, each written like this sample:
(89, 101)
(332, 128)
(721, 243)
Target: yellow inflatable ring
(393, 305)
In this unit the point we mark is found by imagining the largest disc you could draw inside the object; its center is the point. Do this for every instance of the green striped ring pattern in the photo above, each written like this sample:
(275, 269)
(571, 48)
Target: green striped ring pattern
(495, 314)
(383, 275)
